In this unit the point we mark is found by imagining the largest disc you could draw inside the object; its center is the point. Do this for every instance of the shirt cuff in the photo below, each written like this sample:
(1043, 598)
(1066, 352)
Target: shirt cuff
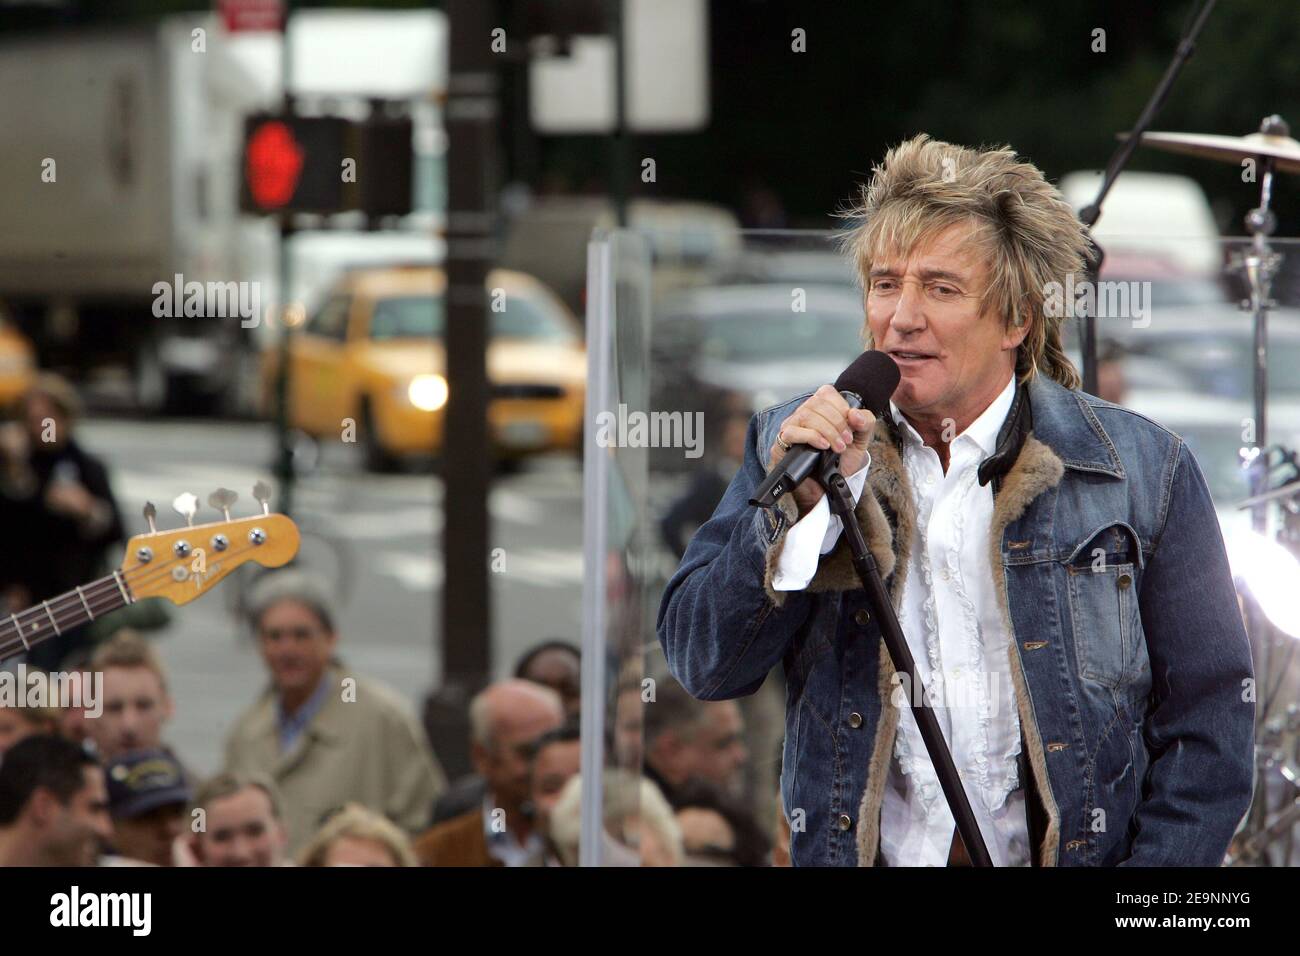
(811, 536)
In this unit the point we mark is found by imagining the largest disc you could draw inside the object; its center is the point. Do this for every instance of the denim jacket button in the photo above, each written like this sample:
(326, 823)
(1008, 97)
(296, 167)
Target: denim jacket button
(862, 617)
(1124, 580)
(846, 822)
(855, 720)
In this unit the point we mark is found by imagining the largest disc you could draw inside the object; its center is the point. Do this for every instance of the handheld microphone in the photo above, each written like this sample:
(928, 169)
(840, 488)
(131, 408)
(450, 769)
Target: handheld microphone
(867, 383)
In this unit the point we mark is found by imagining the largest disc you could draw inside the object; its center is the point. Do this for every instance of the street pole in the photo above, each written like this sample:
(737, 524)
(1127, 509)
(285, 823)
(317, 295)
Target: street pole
(284, 472)
(618, 138)
(471, 121)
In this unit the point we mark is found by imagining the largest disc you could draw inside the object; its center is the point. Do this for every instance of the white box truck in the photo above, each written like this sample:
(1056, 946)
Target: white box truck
(121, 170)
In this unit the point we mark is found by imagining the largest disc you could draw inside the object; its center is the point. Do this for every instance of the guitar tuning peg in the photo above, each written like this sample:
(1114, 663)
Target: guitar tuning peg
(262, 494)
(222, 499)
(149, 513)
(187, 506)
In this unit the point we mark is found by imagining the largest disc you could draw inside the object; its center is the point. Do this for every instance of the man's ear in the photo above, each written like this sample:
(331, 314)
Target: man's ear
(479, 756)
(1015, 334)
(44, 807)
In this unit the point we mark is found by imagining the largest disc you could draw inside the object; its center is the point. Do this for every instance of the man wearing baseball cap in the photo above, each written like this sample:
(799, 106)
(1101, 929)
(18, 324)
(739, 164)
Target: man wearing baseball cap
(147, 796)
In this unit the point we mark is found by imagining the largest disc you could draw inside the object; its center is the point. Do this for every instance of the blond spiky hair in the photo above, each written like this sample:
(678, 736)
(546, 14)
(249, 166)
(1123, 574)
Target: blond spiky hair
(1029, 234)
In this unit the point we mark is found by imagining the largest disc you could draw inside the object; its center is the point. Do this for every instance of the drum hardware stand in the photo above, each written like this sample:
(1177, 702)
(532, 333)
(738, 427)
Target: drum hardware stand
(1258, 264)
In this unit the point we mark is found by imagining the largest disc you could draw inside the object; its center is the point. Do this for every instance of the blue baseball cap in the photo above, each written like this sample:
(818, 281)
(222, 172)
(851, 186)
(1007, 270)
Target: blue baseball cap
(143, 781)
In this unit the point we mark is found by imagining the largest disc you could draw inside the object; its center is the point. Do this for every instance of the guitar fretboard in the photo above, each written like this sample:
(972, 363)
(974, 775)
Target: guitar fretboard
(21, 631)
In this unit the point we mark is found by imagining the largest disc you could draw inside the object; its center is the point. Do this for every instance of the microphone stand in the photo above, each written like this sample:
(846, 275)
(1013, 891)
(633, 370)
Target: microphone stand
(841, 503)
(1089, 214)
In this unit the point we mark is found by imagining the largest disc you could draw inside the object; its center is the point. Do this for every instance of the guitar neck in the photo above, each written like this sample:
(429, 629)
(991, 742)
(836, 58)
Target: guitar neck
(21, 631)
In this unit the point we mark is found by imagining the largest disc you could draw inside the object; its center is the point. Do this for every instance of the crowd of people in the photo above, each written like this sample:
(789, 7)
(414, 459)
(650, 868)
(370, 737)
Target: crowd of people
(327, 766)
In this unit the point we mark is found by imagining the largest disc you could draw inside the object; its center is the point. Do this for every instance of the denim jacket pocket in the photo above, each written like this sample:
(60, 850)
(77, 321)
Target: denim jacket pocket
(1104, 615)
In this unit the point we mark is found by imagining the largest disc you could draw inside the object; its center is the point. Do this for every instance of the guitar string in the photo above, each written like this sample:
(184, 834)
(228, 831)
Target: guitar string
(101, 596)
(142, 574)
(14, 642)
(103, 588)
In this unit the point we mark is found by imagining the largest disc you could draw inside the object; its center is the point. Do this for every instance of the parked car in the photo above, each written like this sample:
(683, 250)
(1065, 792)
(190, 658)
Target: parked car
(373, 352)
(1192, 334)
(688, 241)
(1198, 331)
(722, 346)
(1154, 212)
(818, 263)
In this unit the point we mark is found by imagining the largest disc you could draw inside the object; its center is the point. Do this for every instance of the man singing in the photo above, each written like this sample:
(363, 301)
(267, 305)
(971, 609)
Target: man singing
(1054, 560)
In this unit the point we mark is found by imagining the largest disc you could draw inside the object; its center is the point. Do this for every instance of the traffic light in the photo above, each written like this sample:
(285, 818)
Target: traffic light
(326, 164)
(293, 164)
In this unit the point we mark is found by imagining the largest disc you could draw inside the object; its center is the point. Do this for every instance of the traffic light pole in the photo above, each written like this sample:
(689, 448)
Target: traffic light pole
(471, 122)
(284, 471)
(618, 135)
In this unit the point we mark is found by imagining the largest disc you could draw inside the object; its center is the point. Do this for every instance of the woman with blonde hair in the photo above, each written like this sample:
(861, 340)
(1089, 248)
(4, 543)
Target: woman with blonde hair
(355, 836)
(640, 829)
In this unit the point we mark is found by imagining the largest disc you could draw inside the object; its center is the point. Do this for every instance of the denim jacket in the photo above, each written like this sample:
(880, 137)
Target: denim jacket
(1130, 663)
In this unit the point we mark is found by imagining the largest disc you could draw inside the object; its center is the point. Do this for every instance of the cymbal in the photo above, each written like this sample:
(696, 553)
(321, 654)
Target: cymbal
(1284, 150)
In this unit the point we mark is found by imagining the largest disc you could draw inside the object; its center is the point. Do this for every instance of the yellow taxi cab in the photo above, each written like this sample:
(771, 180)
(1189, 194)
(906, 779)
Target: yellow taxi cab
(374, 353)
(17, 363)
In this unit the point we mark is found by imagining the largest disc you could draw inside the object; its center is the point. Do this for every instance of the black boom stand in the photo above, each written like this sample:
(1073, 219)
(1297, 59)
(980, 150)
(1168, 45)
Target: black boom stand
(841, 503)
(1089, 214)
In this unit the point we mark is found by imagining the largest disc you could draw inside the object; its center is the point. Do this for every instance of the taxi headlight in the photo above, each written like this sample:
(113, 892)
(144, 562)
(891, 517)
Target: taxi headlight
(427, 392)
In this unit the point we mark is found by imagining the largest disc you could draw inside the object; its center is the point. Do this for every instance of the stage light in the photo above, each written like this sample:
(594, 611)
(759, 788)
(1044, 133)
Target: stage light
(1271, 573)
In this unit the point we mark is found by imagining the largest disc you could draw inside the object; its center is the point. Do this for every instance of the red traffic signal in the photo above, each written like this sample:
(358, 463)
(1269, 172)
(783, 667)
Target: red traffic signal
(293, 164)
(327, 164)
(272, 165)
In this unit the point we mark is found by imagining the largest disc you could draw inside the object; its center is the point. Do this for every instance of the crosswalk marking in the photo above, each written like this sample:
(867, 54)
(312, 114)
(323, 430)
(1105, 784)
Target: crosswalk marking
(538, 567)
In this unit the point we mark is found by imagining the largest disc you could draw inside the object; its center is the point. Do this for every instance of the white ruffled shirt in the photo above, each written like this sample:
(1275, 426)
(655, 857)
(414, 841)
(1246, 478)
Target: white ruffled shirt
(950, 617)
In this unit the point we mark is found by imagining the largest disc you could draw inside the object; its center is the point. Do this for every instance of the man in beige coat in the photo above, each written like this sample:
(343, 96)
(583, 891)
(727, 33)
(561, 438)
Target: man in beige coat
(324, 734)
